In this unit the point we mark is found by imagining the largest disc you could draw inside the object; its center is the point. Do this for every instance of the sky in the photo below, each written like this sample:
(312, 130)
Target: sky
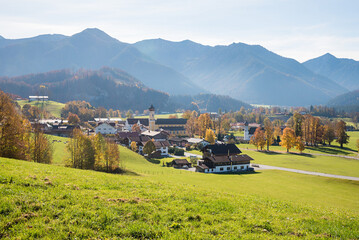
(299, 29)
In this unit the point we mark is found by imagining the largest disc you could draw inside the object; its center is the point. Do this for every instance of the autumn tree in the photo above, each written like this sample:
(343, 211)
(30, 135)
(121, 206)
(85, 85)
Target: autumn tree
(100, 147)
(13, 134)
(297, 124)
(73, 118)
(112, 156)
(136, 128)
(258, 138)
(329, 133)
(342, 136)
(134, 146)
(299, 145)
(268, 132)
(149, 148)
(191, 124)
(40, 147)
(204, 122)
(210, 136)
(288, 138)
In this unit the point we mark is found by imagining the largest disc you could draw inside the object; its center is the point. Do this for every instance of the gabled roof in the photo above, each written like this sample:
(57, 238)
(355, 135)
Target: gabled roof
(180, 161)
(139, 138)
(169, 121)
(222, 149)
(143, 121)
(159, 144)
(123, 135)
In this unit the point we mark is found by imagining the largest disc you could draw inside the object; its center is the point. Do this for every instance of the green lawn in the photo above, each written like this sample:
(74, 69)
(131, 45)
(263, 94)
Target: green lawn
(151, 201)
(52, 107)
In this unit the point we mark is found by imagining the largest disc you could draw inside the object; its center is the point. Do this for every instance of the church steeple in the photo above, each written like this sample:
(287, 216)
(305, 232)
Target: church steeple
(151, 119)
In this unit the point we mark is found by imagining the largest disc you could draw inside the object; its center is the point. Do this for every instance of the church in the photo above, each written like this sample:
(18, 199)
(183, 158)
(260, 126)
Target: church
(174, 126)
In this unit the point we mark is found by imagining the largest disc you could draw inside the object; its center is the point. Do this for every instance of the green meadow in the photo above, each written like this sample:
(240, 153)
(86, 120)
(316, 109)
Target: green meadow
(150, 201)
(50, 106)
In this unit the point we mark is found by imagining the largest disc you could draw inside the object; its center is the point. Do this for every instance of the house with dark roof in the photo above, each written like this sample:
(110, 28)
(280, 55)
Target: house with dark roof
(220, 158)
(141, 122)
(181, 163)
(162, 146)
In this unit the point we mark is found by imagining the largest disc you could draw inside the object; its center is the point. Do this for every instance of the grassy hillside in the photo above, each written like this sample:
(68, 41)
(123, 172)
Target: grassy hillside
(42, 201)
(52, 107)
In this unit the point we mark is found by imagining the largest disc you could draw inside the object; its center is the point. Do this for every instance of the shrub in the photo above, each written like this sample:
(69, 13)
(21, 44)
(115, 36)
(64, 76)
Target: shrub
(179, 152)
(171, 149)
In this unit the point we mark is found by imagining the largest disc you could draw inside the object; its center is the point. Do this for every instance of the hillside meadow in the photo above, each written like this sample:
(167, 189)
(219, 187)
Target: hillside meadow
(151, 201)
(50, 106)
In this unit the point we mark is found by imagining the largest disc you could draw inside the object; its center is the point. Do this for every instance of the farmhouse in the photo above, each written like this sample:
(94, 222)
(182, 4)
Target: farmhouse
(106, 128)
(181, 163)
(162, 146)
(218, 158)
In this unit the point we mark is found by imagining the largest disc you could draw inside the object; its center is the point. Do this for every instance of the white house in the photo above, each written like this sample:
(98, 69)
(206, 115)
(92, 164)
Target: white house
(220, 158)
(162, 146)
(105, 128)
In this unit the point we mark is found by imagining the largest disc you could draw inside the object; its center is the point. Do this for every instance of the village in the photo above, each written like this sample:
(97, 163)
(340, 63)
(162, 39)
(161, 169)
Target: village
(165, 138)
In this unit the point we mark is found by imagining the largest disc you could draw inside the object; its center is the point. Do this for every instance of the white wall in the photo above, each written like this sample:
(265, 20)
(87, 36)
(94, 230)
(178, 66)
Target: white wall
(217, 169)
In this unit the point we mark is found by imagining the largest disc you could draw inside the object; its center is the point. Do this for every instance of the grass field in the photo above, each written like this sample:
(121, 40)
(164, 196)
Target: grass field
(151, 201)
(50, 106)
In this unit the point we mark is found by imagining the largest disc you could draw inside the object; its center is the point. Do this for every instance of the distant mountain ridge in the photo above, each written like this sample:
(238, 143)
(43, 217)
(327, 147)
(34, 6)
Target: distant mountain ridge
(347, 101)
(247, 72)
(89, 49)
(341, 70)
(110, 88)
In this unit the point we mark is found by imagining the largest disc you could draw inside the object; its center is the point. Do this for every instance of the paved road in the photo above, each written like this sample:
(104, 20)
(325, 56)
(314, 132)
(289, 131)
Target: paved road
(291, 170)
(305, 172)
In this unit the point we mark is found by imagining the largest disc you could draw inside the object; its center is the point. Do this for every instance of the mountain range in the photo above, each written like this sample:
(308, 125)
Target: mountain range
(89, 49)
(245, 72)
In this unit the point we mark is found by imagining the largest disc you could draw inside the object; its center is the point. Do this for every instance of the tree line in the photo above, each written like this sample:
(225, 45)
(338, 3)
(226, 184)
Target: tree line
(93, 152)
(17, 138)
(301, 131)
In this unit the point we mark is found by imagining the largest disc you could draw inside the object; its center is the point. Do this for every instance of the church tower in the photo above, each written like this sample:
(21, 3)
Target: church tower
(151, 119)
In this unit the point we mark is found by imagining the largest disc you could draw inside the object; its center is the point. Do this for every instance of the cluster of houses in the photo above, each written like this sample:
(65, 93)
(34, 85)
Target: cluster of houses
(164, 133)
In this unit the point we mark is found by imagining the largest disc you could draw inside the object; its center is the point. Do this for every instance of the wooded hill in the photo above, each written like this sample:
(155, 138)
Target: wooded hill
(110, 88)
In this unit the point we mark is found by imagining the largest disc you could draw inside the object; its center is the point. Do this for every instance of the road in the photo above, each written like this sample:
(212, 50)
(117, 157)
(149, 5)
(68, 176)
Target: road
(263, 167)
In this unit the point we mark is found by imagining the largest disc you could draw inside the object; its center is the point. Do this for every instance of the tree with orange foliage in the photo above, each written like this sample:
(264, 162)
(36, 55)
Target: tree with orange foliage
(288, 138)
(258, 138)
(204, 122)
(136, 128)
(299, 145)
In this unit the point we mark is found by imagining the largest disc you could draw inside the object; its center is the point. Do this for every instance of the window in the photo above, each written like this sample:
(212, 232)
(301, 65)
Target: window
(242, 167)
(221, 169)
(228, 168)
(235, 167)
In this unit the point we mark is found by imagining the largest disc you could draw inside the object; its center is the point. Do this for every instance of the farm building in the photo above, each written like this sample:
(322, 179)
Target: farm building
(219, 158)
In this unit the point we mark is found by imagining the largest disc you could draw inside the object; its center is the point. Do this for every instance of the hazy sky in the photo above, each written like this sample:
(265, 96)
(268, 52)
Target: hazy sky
(300, 29)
